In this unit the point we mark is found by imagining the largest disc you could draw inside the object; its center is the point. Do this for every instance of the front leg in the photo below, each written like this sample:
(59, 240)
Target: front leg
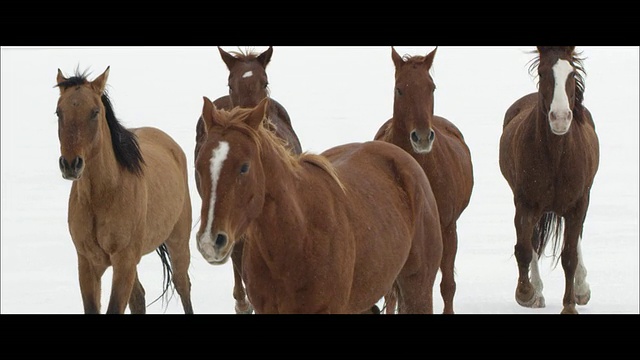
(124, 275)
(525, 220)
(90, 284)
(570, 261)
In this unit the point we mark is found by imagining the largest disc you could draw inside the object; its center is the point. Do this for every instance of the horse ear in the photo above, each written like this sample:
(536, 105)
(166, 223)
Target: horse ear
(397, 59)
(207, 114)
(101, 81)
(59, 79)
(258, 114)
(428, 60)
(228, 59)
(265, 57)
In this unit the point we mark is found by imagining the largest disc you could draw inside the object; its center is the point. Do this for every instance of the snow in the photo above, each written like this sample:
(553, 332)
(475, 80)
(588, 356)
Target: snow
(334, 95)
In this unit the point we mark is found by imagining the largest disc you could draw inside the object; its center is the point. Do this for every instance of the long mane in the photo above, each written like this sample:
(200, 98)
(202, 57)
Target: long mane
(264, 137)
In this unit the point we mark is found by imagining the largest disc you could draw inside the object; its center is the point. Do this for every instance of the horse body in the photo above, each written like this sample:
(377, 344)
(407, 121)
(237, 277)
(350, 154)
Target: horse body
(327, 233)
(248, 85)
(439, 147)
(116, 214)
(550, 174)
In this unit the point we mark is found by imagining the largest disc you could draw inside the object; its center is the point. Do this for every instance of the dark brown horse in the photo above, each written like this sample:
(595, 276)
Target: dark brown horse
(439, 148)
(549, 155)
(248, 85)
(328, 233)
(129, 197)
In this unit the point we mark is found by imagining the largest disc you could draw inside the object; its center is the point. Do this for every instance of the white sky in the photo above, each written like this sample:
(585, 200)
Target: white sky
(334, 95)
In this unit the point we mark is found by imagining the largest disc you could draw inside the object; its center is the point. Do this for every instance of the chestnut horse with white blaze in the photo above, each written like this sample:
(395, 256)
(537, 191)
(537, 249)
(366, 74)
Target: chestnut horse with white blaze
(248, 85)
(328, 233)
(549, 155)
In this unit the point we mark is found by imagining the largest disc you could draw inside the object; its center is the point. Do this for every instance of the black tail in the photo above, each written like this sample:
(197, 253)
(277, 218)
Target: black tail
(167, 273)
(550, 227)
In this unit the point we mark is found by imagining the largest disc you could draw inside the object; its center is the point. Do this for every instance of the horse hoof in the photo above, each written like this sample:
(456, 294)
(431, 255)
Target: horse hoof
(535, 301)
(244, 307)
(569, 309)
(584, 298)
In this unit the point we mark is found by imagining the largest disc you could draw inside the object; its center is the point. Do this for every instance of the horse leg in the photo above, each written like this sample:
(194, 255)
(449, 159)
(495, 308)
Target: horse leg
(525, 220)
(447, 266)
(415, 293)
(569, 255)
(124, 275)
(391, 300)
(180, 254)
(136, 300)
(243, 306)
(583, 292)
(536, 281)
(90, 284)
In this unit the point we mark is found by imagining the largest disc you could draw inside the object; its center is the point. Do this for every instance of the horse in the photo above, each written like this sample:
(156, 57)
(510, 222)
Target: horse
(549, 155)
(439, 147)
(129, 196)
(327, 233)
(248, 84)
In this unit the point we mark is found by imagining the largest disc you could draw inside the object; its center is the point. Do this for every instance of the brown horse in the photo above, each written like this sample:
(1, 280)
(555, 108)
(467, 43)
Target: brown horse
(549, 155)
(129, 197)
(248, 85)
(328, 233)
(439, 148)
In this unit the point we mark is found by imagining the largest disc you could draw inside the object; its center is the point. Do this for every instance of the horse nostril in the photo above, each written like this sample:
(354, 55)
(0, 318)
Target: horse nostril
(432, 135)
(414, 137)
(221, 240)
(76, 164)
(63, 163)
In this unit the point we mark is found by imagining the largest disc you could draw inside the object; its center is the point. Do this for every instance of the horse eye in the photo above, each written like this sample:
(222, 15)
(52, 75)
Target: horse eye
(398, 92)
(230, 89)
(94, 113)
(266, 84)
(244, 169)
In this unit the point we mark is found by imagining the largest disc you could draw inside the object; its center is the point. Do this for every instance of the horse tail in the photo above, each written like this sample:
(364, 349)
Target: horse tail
(549, 229)
(167, 273)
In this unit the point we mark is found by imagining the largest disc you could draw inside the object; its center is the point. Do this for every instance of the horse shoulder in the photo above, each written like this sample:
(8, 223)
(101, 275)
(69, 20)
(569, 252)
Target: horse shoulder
(525, 103)
(383, 131)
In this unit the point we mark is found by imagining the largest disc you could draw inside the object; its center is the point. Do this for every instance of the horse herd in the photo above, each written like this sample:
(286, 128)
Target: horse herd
(333, 232)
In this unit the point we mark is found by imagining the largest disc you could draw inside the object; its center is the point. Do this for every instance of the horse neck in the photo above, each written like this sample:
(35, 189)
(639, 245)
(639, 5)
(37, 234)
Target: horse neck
(102, 173)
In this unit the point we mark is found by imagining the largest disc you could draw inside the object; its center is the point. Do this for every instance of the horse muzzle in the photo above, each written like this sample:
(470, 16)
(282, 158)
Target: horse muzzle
(71, 171)
(215, 251)
(422, 143)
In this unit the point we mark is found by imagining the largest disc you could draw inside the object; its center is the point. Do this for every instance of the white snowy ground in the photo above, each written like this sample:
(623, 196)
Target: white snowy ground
(334, 95)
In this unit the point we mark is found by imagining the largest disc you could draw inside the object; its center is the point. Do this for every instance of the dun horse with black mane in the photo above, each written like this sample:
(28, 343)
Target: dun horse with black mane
(549, 155)
(129, 197)
(328, 233)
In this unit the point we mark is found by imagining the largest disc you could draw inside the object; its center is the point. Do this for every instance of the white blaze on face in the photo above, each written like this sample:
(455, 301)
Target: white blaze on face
(218, 156)
(247, 74)
(560, 114)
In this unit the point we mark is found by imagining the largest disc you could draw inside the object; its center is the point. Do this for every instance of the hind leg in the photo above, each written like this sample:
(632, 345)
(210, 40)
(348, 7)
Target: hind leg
(583, 292)
(447, 267)
(178, 248)
(136, 301)
(243, 306)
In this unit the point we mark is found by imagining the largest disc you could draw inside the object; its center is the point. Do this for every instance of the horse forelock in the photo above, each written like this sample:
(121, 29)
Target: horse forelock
(245, 55)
